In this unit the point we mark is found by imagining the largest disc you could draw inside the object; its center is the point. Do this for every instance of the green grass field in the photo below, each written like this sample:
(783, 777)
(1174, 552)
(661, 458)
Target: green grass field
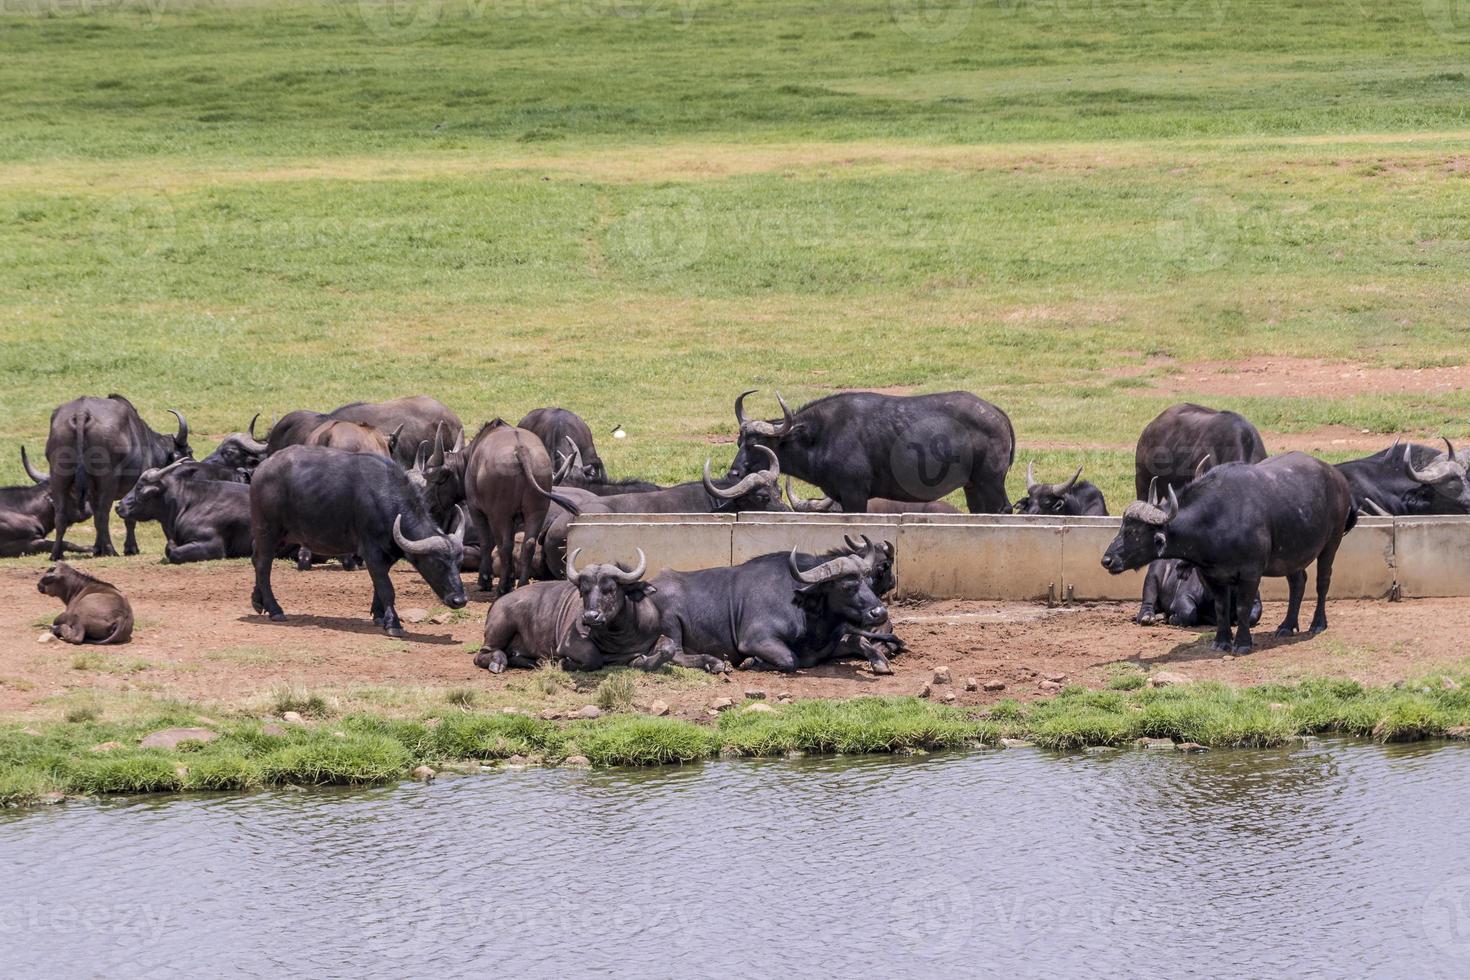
(637, 208)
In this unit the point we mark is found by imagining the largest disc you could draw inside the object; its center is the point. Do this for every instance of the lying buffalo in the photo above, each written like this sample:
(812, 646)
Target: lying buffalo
(1174, 592)
(876, 505)
(858, 445)
(1075, 498)
(572, 472)
(773, 612)
(203, 519)
(239, 451)
(28, 515)
(340, 503)
(96, 612)
(413, 420)
(558, 427)
(96, 450)
(601, 615)
(1239, 523)
(1172, 445)
(1409, 480)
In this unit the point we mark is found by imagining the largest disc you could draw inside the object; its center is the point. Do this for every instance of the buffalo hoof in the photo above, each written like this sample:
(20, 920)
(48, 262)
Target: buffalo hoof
(1318, 628)
(1241, 649)
(880, 667)
(1286, 631)
(278, 617)
(491, 660)
(1221, 646)
(131, 549)
(393, 631)
(484, 584)
(107, 552)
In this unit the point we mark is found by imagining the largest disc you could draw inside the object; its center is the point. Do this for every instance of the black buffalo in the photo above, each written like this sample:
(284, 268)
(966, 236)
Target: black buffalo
(1171, 447)
(876, 505)
(1409, 481)
(558, 428)
(1176, 593)
(1239, 523)
(240, 451)
(411, 421)
(1076, 497)
(203, 518)
(858, 445)
(600, 615)
(776, 612)
(340, 503)
(97, 449)
(28, 515)
(571, 471)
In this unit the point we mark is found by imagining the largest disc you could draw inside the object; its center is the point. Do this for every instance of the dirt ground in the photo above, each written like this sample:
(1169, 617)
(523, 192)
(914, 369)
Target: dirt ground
(197, 639)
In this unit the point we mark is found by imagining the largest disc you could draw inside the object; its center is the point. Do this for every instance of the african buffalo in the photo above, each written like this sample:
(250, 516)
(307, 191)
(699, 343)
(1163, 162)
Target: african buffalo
(1411, 481)
(1173, 444)
(202, 519)
(572, 472)
(340, 503)
(28, 515)
(1239, 523)
(414, 419)
(876, 505)
(96, 612)
(1174, 592)
(599, 615)
(772, 612)
(859, 445)
(97, 448)
(556, 427)
(239, 451)
(1076, 497)
(353, 437)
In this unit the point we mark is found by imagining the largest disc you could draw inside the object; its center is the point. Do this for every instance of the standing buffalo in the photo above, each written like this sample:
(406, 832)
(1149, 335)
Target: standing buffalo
(1239, 523)
(1076, 497)
(413, 420)
(557, 427)
(1174, 592)
(353, 437)
(1413, 481)
(340, 503)
(1173, 445)
(600, 615)
(858, 445)
(202, 519)
(505, 469)
(97, 449)
(28, 515)
(876, 505)
(772, 612)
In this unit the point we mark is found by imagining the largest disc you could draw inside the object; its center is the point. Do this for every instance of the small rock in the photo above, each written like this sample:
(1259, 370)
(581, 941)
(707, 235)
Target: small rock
(721, 704)
(757, 707)
(414, 615)
(442, 619)
(1099, 749)
(1155, 743)
(994, 684)
(950, 697)
(339, 734)
(1168, 678)
(1458, 731)
(550, 714)
(658, 708)
(271, 728)
(784, 696)
(169, 738)
(424, 774)
(1227, 658)
(51, 799)
(589, 711)
(46, 637)
(1276, 706)
(754, 695)
(941, 675)
(517, 760)
(107, 746)
(1056, 678)
(576, 760)
(1190, 747)
(293, 718)
(1048, 687)
(1016, 743)
(971, 684)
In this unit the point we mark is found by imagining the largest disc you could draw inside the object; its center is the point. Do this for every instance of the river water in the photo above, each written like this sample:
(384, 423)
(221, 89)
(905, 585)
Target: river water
(1338, 859)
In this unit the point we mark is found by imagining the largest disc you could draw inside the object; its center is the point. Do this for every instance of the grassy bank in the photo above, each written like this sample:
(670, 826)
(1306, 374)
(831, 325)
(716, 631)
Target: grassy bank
(95, 757)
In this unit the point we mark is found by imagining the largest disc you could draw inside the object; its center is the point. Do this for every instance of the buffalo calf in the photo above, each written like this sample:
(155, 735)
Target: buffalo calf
(96, 612)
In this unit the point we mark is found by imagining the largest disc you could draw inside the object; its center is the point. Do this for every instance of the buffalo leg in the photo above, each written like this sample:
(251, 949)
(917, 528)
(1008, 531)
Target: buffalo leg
(69, 629)
(1221, 593)
(669, 648)
(1147, 605)
(770, 654)
(579, 653)
(383, 595)
(528, 551)
(482, 530)
(130, 539)
(101, 513)
(1324, 582)
(206, 550)
(987, 495)
(60, 488)
(1245, 597)
(264, 553)
(1296, 584)
(505, 546)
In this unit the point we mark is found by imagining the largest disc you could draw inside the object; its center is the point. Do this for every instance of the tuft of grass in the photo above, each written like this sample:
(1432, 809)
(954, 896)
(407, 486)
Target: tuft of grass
(637, 740)
(325, 759)
(549, 679)
(306, 703)
(1127, 677)
(82, 712)
(859, 725)
(617, 691)
(462, 697)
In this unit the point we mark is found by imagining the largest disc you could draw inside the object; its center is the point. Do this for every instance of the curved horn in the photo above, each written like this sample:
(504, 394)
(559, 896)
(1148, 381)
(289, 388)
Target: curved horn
(458, 446)
(628, 578)
(576, 455)
(738, 490)
(817, 505)
(1427, 475)
(563, 466)
(420, 457)
(1373, 508)
(740, 406)
(1451, 447)
(436, 458)
(31, 471)
(1203, 466)
(1173, 510)
(572, 572)
(1153, 491)
(774, 470)
(181, 438)
(1031, 483)
(1067, 487)
(426, 546)
(393, 436)
(461, 520)
(786, 420)
(247, 438)
(837, 567)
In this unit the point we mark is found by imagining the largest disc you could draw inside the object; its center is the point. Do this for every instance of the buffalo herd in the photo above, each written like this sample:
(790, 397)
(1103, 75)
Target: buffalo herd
(371, 484)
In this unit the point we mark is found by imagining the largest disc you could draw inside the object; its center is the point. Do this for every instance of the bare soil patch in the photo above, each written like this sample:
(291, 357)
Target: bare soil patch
(1295, 377)
(197, 638)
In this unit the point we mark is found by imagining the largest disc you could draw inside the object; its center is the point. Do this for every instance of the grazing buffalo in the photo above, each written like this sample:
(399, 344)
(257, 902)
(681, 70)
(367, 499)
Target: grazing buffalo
(772, 612)
(28, 515)
(857, 445)
(239, 451)
(96, 450)
(1172, 445)
(1239, 523)
(1410, 481)
(558, 427)
(340, 503)
(96, 612)
(505, 469)
(203, 519)
(600, 615)
(572, 472)
(876, 505)
(1174, 592)
(414, 420)
(1075, 498)
(442, 473)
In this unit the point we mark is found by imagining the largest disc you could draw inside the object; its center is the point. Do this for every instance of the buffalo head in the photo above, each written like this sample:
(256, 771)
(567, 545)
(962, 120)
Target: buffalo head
(570, 465)
(1141, 538)
(879, 561)
(440, 475)
(605, 587)
(437, 558)
(239, 450)
(839, 587)
(145, 502)
(761, 434)
(758, 490)
(1445, 475)
(1049, 498)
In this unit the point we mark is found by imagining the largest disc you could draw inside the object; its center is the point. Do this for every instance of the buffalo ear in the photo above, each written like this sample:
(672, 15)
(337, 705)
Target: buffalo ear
(1160, 539)
(808, 598)
(641, 591)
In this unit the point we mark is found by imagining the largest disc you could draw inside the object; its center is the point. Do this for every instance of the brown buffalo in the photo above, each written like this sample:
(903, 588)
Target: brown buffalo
(95, 611)
(353, 437)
